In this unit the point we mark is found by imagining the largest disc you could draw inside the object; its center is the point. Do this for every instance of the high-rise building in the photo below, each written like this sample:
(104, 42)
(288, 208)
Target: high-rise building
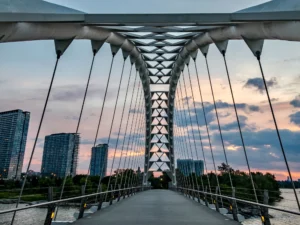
(198, 167)
(13, 136)
(60, 155)
(99, 160)
(185, 166)
(188, 166)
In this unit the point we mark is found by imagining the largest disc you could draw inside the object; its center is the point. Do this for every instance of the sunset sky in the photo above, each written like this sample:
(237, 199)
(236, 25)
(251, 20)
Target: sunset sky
(26, 69)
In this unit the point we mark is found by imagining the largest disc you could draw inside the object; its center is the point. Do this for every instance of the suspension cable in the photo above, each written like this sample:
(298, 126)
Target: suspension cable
(184, 154)
(216, 113)
(112, 122)
(277, 129)
(100, 119)
(196, 115)
(120, 127)
(128, 118)
(209, 139)
(239, 126)
(77, 127)
(184, 119)
(186, 124)
(193, 133)
(205, 164)
(58, 55)
(130, 135)
(137, 144)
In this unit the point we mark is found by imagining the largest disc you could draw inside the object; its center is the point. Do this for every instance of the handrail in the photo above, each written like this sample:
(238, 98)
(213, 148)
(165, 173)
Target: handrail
(243, 201)
(65, 200)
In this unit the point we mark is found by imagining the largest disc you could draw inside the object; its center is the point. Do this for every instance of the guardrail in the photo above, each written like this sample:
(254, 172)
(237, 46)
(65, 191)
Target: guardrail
(107, 196)
(217, 199)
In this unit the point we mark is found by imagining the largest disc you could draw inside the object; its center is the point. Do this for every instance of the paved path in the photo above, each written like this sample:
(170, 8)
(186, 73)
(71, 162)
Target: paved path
(157, 207)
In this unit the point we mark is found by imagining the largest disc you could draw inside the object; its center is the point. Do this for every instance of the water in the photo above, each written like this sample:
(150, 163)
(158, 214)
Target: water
(36, 216)
(281, 218)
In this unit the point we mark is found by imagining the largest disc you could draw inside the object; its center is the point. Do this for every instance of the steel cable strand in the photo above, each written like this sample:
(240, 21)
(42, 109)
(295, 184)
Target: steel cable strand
(276, 127)
(196, 116)
(186, 124)
(217, 116)
(112, 122)
(136, 148)
(178, 144)
(100, 118)
(209, 139)
(133, 147)
(205, 164)
(184, 153)
(121, 122)
(185, 119)
(128, 119)
(77, 127)
(193, 133)
(208, 135)
(140, 141)
(239, 126)
(131, 139)
(182, 130)
(58, 55)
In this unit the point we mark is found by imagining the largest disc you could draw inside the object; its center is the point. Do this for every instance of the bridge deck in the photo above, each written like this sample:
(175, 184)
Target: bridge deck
(159, 207)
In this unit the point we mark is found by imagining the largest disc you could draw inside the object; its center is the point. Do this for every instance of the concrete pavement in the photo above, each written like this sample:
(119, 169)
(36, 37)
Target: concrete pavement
(157, 207)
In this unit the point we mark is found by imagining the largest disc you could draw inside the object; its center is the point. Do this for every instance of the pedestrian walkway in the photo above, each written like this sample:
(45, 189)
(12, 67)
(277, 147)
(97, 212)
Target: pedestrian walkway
(157, 207)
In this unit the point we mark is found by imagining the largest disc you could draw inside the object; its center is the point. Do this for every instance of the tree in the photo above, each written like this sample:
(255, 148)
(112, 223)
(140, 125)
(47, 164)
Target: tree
(224, 168)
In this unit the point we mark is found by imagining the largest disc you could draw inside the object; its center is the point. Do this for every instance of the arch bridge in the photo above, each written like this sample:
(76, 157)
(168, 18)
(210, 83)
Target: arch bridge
(159, 51)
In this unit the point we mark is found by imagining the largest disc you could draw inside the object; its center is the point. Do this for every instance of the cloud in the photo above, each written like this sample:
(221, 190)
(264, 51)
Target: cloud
(210, 114)
(272, 100)
(232, 125)
(258, 84)
(295, 118)
(296, 102)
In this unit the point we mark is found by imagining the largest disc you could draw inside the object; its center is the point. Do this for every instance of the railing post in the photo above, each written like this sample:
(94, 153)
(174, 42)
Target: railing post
(198, 194)
(119, 193)
(82, 204)
(124, 192)
(265, 211)
(51, 207)
(205, 196)
(111, 195)
(100, 202)
(216, 200)
(233, 207)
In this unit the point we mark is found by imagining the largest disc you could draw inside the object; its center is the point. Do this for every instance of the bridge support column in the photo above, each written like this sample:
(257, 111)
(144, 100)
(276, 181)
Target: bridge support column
(265, 211)
(83, 203)
(51, 208)
(216, 200)
(112, 194)
(205, 196)
(119, 194)
(100, 199)
(233, 207)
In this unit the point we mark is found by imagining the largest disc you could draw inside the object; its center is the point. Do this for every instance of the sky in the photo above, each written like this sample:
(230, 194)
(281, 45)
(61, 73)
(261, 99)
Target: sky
(26, 69)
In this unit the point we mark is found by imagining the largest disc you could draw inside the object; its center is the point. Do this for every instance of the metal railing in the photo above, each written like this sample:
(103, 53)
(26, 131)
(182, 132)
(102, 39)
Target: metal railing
(216, 199)
(101, 197)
